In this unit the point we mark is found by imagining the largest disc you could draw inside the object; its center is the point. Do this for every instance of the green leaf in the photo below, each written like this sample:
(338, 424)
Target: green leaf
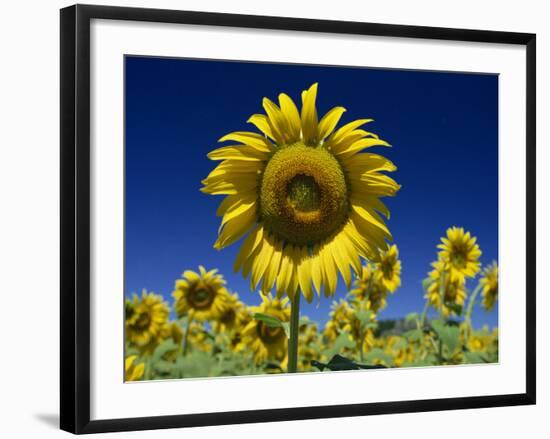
(413, 335)
(412, 317)
(364, 316)
(378, 354)
(342, 342)
(474, 357)
(338, 362)
(273, 322)
(449, 335)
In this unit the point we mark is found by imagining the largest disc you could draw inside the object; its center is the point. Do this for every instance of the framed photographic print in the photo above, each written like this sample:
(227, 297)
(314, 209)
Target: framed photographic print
(285, 218)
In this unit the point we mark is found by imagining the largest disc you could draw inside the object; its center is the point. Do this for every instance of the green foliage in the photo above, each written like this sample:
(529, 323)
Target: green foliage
(341, 363)
(273, 322)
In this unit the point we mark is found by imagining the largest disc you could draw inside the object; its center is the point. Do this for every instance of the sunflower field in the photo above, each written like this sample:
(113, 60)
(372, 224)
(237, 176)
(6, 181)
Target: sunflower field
(216, 334)
(304, 199)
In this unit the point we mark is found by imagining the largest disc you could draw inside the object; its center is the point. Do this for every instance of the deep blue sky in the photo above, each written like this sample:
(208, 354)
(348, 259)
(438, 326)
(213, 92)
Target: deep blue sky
(443, 128)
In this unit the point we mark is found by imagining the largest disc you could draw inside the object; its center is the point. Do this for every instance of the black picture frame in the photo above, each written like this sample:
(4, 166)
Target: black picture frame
(75, 217)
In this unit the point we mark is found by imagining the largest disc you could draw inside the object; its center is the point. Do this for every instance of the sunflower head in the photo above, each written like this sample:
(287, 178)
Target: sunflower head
(173, 330)
(454, 290)
(267, 342)
(307, 195)
(201, 296)
(369, 290)
(228, 319)
(133, 371)
(146, 317)
(460, 253)
(489, 284)
(389, 269)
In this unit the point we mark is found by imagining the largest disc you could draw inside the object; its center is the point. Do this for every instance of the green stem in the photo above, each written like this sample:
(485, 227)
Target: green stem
(294, 330)
(442, 281)
(469, 309)
(424, 314)
(361, 329)
(186, 336)
(361, 339)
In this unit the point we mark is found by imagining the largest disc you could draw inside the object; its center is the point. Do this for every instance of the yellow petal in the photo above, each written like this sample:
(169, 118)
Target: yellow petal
(249, 245)
(292, 115)
(261, 262)
(238, 209)
(360, 145)
(329, 268)
(309, 115)
(236, 229)
(338, 254)
(273, 269)
(285, 273)
(304, 274)
(253, 140)
(276, 120)
(261, 122)
(329, 122)
(238, 152)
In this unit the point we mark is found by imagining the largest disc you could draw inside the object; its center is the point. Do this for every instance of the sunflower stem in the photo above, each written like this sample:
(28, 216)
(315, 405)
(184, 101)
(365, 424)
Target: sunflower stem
(294, 330)
(468, 316)
(186, 336)
(442, 286)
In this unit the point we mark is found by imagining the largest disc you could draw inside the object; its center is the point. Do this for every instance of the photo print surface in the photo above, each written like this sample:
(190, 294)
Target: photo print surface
(285, 218)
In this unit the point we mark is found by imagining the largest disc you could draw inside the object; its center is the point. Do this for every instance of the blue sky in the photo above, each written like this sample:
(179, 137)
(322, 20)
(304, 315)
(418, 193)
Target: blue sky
(443, 128)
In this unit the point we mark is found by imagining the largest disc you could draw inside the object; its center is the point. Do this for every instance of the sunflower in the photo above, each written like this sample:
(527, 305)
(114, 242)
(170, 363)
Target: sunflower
(244, 316)
(307, 195)
(399, 349)
(173, 330)
(201, 296)
(338, 316)
(356, 328)
(145, 319)
(454, 290)
(489, 285)
(133, 371)
(228, 318)
(460, 253)
(389, 269)
(267, 342)
(198, 338)
(369, 288)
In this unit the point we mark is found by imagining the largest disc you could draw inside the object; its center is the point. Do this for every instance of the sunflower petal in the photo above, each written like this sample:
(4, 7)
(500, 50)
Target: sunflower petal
(261, 122)
(309, 115)
(238, 152)
(235, 229)
(304, 273)
(253, 140)
(248, 247)
(292, 115)
(329, 122)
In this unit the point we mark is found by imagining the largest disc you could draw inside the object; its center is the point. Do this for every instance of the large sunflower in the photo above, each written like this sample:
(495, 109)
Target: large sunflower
(460, 253)
(489, 285)
(268, 342)
(307, 195)
(145, 320)
(201, 296)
